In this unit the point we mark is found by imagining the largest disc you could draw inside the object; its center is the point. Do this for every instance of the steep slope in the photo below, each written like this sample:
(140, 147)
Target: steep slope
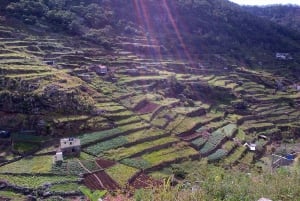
(216, 31)
(212, 30)
(286, 15)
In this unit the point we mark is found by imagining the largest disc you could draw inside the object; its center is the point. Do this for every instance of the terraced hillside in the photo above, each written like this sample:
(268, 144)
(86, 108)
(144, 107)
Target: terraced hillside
(143, 115)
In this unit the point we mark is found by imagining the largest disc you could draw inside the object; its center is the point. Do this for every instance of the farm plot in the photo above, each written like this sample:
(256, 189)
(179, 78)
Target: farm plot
(217, 137)
(145, 107)
(91, 137)
(187, 124)
(143, 135)
(247, 159)
(111, 108)
(37, 164)
(163, 117)
(24, 137)
(252, 126)
(70, 167)
(103, 163)
(126, 152)
(145, 181)
(100, 181)
(108, 134)
(25, 147)
(98, 148)
(130, 120)
(174, 153)
(121, 173)
(235, 156)
(199, 142)
(9, 195)
(188, 110)
(119, 115)
(34, 181)
(65, 187)
(217, 155)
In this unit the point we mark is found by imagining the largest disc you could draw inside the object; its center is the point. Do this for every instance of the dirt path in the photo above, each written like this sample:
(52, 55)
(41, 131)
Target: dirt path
(97, 178)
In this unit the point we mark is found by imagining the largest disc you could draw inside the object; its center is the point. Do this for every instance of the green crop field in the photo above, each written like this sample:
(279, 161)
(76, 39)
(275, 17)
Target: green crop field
(38, 164)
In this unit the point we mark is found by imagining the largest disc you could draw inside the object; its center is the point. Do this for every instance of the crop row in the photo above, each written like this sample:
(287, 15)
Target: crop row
(217, 155)
(106, 145)
(37, 164)
(235, 156)
(68, 168)
(121, 173)
(36, 181)
(125, 152)
(96, 136)
(169, 154)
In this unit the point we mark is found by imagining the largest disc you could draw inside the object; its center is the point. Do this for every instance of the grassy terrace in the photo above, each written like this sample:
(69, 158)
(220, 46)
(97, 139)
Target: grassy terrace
(24, 137)
(217, 155)
(187, 123)
(217, 137)
(111, 108)
(36, 181)
(37, 164)
(70, 118)
(121, 173)
(235, 156)
(257, 126)
(132, 119)
(97, 136)
(11, 195)
(131, 80)
(169, 154)
(125, 152)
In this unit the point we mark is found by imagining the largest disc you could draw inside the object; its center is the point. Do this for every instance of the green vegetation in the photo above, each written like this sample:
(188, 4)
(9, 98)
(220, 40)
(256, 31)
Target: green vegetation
(169, 154)
(127, 152)
(106, 145)
(66, 187)
(37, 164)
(12, 195)
(219, 184)
(91, 137)
(92, 195)
(36, 181)
(23, 147)
(237, 154)
(121, 173)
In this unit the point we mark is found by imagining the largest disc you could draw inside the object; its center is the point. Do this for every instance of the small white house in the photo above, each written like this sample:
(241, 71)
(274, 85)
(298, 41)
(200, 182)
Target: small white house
(58, 157)
(99, 69)
(283, 56)
(251, 146)
(102, 69)
(70, 146)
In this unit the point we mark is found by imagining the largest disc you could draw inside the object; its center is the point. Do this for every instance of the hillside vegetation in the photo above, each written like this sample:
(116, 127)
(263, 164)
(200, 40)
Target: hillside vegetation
(286, 15)
(218, 31)
(189, 86)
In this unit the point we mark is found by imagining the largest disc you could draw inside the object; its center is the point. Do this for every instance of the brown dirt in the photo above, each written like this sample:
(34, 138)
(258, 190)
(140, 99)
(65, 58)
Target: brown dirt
(91, 181)
(145, 181)
(105, 163)
(145, 107)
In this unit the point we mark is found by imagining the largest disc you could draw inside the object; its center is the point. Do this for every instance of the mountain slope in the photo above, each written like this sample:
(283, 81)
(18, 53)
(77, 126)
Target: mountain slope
(288, 15)
(143, 86)
(216, 31)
